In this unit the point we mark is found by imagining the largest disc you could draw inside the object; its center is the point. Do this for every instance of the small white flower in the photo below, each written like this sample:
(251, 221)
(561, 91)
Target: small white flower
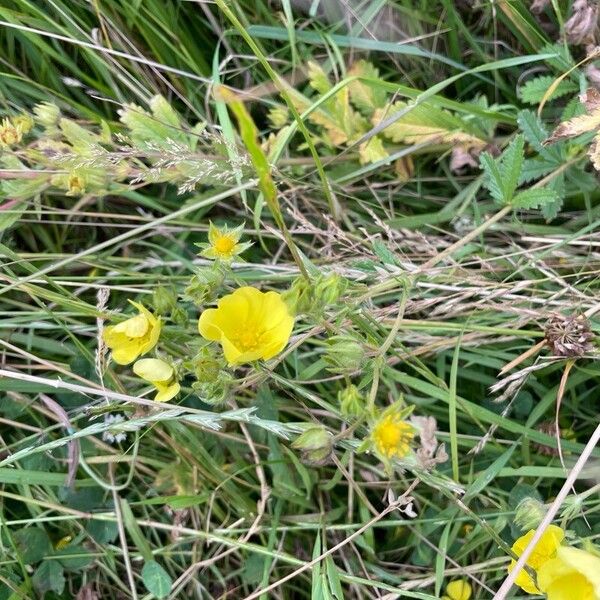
(110, 436)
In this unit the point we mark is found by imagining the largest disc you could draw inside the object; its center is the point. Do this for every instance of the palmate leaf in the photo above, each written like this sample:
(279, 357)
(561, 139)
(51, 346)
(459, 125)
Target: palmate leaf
(503, 174)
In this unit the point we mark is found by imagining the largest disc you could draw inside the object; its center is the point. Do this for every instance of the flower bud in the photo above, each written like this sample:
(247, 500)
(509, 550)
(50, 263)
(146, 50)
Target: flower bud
(299, 297)
(344, 354)
(329, 288)
(164, 300)
(46, 114)
(529, 514)
(316, 445)
(352, 403)
(215, 392)
(206, 366)
(179, 316)
(279, 116)
(203, 285)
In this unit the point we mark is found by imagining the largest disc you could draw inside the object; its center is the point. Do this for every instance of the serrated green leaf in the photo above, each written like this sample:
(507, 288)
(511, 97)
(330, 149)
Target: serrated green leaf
(535, 89)
(493, 178)
(535, 168)
(511, 162)
(534, 198)
(535, 133)
(157, 581)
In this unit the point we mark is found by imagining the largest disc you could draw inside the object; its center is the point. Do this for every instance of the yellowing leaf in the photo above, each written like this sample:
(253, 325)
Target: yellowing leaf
(317, 78)
(425, 123)
(405, 168)
(371, 151)
(366, 96)
(581, 124)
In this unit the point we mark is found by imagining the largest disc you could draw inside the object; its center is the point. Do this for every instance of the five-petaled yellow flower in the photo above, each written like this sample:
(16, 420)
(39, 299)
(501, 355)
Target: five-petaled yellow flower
(544, 551)
(391, 434)
(223, 243)
(161, 375)
(458, 590)
(573, 575)
(249, 324)
(134, 337)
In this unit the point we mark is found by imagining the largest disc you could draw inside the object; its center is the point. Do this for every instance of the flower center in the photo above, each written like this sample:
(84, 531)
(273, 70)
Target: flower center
(247, 340)
(393, 437)
(224, 244)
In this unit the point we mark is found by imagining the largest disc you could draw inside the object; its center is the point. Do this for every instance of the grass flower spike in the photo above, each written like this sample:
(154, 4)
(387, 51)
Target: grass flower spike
(134, 337)
(223, 243)
(544, 551)
(458, 590)
(573, 575)
(161, 375)
(249, 324)
(391, 435)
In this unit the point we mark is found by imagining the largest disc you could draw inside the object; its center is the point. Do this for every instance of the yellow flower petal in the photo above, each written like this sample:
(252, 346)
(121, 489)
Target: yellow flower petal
(459, 590)
(544, 550)
(250, 325)
(166, 393)
(573, 575)
(133, 328)
(134, 336)
(153, 370)
(208, 325)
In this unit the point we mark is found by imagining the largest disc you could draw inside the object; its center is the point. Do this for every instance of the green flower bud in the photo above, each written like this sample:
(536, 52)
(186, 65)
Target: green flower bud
(203, 285)
(299, 297)
(529, 514)
(344, 354)
(313, 297)
(279, 117)
(179, 316)
(164, 300)
(206, 366)
(46, 114)
(316, 445)
(352, 402)
(329, 288)
(216, 392)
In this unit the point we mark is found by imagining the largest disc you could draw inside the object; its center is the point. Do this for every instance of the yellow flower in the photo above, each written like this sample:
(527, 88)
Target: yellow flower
(573, 575)
(249, 324)
(458, 590)
(391, 434)
(161, 375)
(544, 551)
(76, 184)
(10, 134)
(133, 337)
(223, 243)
